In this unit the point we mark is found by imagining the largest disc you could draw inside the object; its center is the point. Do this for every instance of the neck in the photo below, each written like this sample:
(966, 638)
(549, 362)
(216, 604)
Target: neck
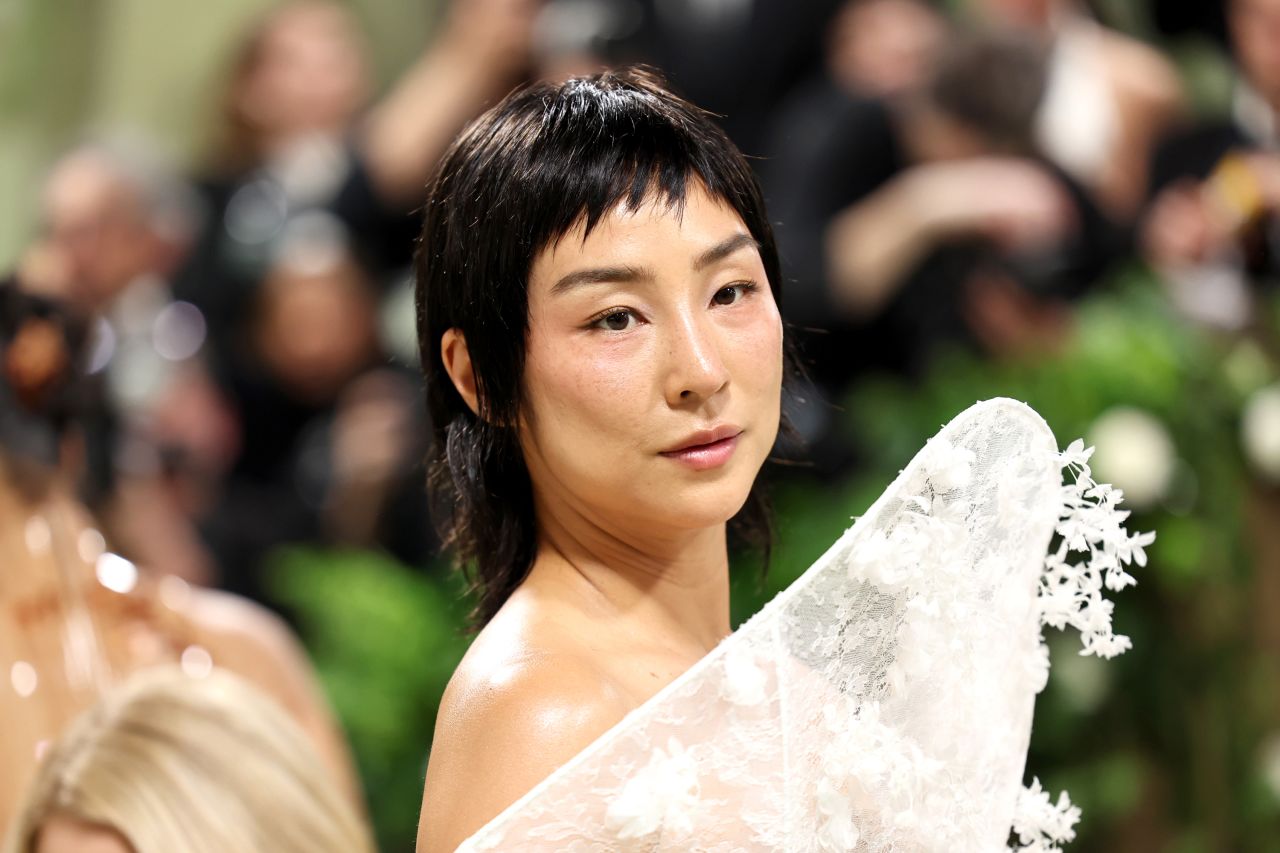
(672, 586)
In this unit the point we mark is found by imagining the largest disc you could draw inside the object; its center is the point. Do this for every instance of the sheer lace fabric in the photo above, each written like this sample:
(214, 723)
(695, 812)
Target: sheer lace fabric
(884, 701)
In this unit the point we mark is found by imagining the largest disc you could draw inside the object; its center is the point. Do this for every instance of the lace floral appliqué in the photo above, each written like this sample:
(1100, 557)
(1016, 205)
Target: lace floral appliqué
(883, 702)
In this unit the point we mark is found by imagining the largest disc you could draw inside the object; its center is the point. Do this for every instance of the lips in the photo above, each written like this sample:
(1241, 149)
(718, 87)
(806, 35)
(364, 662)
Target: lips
(706, 448)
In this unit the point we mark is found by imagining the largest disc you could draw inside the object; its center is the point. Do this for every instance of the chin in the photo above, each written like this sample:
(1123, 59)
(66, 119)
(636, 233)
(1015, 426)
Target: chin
(705, 501)
(697, 507)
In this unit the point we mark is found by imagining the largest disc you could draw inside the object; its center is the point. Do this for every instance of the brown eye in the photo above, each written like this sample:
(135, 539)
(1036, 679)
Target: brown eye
(731, 294)
(616, 321)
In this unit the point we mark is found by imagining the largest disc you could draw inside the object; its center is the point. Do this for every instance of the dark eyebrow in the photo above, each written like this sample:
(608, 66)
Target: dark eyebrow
(601, 275)
(724, 249)
(627, 274)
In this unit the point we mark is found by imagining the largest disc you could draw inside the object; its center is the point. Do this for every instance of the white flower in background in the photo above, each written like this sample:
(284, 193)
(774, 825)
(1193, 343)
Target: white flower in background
(744, 680)
(1135, 453)
(1269, 759)
(1260, 431)
(663, 795)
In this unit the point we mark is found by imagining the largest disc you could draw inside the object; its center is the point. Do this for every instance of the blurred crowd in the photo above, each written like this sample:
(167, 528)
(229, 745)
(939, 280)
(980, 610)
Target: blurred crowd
(940, 176)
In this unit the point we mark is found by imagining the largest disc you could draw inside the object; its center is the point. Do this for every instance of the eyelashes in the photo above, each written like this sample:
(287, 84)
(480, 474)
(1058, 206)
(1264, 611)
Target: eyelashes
(615, 320)
(743, 287)
(620, 319)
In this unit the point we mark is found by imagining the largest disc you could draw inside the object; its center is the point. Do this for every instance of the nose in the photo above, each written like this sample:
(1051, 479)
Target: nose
(696, 371)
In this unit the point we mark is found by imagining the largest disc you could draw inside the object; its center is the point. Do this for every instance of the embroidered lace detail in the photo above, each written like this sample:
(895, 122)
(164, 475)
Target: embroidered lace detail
(883, 702)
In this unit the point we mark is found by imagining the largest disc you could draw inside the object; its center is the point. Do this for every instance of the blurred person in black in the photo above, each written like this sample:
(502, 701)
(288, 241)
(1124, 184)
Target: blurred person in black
(328, 453)
(1108, 97)
(120, 222)
(1211, 226)
(119, 216)
(736, 58)
(300, 135)
(927, 221)
(883, 48)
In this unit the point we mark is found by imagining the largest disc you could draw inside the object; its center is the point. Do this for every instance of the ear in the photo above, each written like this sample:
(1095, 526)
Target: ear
(457, 363)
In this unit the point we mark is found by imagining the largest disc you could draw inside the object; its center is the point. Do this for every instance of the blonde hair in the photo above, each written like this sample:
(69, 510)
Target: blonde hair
(174, 763)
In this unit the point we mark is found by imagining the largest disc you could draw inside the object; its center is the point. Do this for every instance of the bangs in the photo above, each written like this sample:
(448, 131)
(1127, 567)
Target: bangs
(613, 147)
(621, 146)
(566, 156)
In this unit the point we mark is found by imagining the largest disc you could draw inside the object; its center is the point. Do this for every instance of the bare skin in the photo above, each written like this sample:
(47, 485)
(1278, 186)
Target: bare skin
(66, 835)
(630, 583)
(151, 624)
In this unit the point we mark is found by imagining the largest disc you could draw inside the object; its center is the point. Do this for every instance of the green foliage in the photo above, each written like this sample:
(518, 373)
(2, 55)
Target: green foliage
(385, 639)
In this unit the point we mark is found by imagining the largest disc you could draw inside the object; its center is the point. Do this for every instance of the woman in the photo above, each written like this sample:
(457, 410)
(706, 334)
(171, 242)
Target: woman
(599, 326)
(173, 763)
(604, 379)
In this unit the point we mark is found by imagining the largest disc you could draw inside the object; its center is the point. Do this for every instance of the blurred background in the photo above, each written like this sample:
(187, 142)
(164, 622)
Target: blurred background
(1073, 204)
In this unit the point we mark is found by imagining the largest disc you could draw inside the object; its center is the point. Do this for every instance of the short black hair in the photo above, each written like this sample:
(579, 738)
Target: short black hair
(547, 158)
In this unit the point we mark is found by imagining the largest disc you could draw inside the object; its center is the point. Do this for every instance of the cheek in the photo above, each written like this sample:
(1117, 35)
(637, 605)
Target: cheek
(758, 352)
(580, 390)
(761, 379)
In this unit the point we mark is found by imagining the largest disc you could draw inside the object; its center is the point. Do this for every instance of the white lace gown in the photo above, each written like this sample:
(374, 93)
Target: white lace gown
(884, 701)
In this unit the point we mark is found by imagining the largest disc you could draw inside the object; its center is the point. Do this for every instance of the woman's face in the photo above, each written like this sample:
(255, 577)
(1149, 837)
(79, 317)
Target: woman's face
(310, 74)
(654, 369)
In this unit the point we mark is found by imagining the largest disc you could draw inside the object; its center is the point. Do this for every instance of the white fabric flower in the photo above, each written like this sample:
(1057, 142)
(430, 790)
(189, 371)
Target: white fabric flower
(1041, 825)
(881, 560)
(950, 466)
(1077, 456)
(745, 681)
(837, 831)
(1090, 524)
(661, 796)
(1037, 668)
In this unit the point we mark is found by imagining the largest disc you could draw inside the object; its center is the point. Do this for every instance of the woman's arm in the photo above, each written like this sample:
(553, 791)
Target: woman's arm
(482, 52)
(872, 245)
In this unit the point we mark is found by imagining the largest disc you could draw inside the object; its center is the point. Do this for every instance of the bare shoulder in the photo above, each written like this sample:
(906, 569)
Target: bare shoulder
(248, 639)
(231, 616)
(259, 646)
(510, 716)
